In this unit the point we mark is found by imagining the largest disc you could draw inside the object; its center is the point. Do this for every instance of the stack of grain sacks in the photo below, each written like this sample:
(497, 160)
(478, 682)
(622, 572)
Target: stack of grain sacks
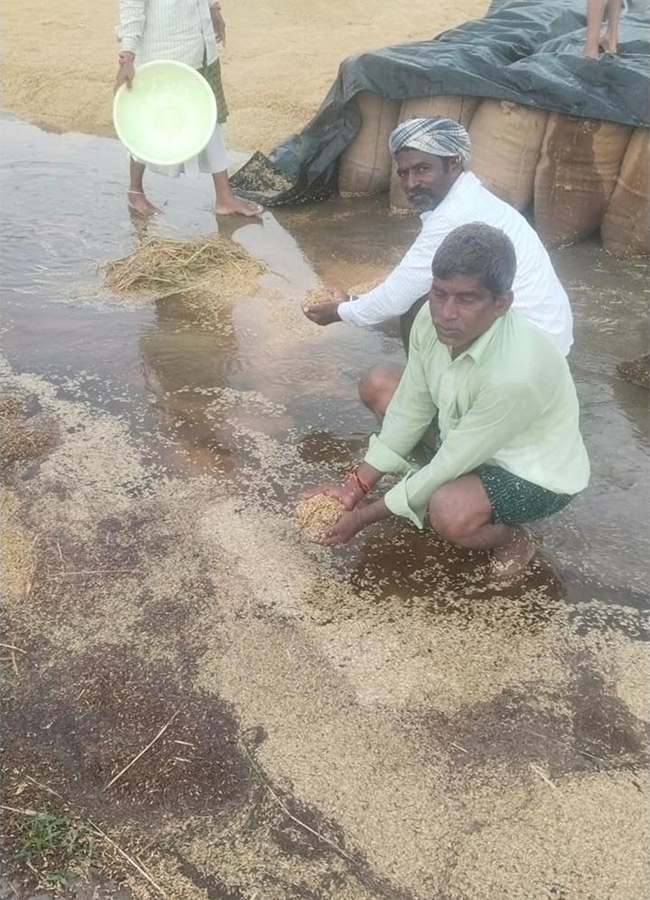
(578, 174)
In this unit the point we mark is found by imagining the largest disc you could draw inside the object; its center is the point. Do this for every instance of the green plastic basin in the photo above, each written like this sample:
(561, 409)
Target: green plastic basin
(167, 116)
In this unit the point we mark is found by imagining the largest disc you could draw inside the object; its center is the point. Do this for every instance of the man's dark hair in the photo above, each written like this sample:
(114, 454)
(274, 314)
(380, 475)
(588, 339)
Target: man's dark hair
(477, 249)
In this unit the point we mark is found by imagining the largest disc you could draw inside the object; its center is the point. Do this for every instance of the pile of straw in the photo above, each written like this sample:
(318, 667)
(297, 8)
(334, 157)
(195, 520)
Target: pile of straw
(20, 440)
(317, 513)
(167, 265)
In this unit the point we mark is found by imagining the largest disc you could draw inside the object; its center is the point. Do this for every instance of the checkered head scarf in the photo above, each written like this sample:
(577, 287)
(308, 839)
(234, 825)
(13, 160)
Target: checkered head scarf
(435, 135)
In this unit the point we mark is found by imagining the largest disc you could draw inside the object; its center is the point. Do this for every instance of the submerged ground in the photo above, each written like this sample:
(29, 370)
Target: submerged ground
(375, 722)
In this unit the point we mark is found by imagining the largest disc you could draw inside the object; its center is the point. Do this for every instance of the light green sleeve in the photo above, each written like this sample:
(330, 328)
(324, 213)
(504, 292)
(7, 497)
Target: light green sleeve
(409, 414)
(498, 414)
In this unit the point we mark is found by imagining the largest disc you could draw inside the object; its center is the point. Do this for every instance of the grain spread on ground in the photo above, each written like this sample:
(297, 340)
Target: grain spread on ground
(278, 65)
(317, 513)
(635, 370)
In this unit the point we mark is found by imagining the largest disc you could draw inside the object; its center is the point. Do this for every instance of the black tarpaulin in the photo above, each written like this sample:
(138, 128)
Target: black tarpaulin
(527, 51)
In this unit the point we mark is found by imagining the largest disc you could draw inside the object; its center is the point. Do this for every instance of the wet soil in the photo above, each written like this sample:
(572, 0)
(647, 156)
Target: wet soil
(379, 721)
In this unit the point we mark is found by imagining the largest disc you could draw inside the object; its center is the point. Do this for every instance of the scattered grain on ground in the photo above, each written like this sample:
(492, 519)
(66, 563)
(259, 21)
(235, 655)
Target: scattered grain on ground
(636, 370)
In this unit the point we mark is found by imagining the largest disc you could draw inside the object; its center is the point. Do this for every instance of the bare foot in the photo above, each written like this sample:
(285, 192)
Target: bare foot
(140, 206)
(590, 52)
(608, 43)
(512, 558)
(235, 206)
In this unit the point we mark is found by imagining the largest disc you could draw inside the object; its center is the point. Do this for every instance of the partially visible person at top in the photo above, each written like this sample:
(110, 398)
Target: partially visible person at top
(185, 31)
(506, 448)
(431, 155)
(595, 41)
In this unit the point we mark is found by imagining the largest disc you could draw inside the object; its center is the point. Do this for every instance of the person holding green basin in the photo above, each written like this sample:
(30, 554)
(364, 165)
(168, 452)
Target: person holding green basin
(187, 31)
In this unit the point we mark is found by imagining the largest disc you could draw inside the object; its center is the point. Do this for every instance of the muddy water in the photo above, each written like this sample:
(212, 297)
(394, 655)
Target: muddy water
(423, 718)
(157, 364)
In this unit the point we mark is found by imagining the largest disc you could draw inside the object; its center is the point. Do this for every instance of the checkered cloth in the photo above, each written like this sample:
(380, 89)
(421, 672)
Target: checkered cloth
(212, 75)
(514, 500)
(435, 135)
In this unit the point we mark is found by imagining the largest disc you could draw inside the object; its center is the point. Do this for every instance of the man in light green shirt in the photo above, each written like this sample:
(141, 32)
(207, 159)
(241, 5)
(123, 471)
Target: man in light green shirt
(507, 449)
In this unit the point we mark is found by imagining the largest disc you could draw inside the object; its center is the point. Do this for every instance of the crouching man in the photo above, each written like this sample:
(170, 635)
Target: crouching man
(490, 396)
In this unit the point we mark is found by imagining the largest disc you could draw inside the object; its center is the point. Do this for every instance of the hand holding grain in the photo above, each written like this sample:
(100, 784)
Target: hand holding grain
(316, 514)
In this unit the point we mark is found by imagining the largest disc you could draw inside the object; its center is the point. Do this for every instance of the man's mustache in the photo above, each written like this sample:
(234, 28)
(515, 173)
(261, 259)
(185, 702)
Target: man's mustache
(420, 192)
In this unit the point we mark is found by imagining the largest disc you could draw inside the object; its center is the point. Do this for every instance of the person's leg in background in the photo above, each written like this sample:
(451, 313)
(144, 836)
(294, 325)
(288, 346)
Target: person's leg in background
(138, 202)
(227, 203)
(596, 10)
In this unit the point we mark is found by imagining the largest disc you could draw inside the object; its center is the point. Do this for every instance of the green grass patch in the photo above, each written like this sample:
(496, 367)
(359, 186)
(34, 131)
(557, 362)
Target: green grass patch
(54, 847)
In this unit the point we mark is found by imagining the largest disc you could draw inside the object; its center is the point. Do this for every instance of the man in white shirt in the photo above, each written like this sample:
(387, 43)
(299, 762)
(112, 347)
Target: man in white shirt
(185, 31)
(430, 155)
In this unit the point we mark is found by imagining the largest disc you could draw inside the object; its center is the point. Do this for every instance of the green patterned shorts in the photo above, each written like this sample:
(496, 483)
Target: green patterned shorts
(212, 75)
(513, 499)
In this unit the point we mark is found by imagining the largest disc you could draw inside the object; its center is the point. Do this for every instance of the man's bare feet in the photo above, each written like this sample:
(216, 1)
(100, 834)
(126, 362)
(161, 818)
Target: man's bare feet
(512, 558)
(608, 43)
(140, 206)
(235, 206)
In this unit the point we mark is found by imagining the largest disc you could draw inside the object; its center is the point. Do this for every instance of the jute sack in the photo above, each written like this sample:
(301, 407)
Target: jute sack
(449, 106)
(364, 165)
(506, 142)
(575, 176)
(626, 226)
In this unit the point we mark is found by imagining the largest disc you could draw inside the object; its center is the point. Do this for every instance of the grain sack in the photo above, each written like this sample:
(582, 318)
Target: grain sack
(625, 228)
(364, 166)
(506, 142)
(449, 106)
(575, 176)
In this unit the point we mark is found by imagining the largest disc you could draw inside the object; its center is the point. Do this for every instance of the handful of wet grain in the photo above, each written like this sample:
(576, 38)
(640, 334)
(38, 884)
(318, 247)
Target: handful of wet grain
(317, 513)
(318, 297)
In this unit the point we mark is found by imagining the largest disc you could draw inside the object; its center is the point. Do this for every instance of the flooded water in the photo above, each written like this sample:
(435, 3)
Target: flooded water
(157, 364)
(426, 722)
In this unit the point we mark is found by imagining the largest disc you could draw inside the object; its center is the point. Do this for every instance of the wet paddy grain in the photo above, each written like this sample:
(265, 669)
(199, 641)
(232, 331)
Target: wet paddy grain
(379, 721)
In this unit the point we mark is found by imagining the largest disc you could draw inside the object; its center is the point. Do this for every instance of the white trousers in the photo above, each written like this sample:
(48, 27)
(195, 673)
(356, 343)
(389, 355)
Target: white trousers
(213, 158)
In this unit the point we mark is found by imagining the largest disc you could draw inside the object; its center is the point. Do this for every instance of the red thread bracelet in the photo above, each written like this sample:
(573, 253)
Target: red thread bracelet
(354, 473)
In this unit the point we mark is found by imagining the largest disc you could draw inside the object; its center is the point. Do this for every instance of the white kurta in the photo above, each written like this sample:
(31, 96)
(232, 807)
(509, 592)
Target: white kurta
(538, 293)
(180, 30)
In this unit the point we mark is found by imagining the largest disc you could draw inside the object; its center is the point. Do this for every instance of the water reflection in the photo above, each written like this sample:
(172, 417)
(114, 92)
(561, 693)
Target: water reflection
(214, 378)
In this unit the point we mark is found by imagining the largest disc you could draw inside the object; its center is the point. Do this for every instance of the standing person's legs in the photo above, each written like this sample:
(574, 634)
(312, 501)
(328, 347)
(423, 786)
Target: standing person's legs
(595, 15)
(227, 203)
(138, 202)
(609, 41)
(215, 157)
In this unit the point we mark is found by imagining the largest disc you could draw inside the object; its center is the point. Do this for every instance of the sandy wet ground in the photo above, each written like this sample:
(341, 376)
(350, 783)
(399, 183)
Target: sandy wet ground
(375, 722)
(59, 61)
